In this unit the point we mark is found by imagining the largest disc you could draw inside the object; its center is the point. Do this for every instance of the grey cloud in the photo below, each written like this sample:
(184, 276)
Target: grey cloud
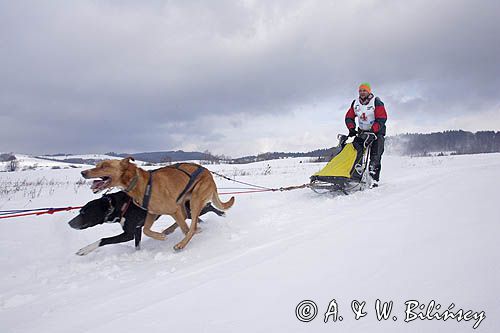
(114, 75)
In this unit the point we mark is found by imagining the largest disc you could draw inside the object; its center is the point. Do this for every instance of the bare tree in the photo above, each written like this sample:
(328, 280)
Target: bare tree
(167, 160)
(7, 157)
(12, 165)
(211, 159)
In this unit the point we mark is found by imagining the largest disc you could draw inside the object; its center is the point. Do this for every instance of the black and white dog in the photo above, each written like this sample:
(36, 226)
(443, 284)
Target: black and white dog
(118, 207)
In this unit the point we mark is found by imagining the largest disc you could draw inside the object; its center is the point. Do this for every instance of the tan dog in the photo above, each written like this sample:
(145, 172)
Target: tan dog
(168, 183)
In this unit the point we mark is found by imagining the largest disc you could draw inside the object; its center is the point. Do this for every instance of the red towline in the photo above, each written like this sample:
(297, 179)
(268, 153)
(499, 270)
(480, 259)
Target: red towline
(48, 211)
(64, 209)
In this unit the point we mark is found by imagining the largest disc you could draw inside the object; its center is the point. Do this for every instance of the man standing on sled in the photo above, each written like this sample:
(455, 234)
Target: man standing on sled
(371, 118)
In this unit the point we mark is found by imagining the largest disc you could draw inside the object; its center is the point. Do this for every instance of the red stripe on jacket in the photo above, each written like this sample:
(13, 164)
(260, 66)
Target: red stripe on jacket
(349, 118)
(380, 117)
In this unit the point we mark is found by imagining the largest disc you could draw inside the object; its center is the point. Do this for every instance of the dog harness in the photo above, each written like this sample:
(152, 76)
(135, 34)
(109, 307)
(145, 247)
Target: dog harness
(192, 179)
(147, 192)
(123, 211)
(138, 227)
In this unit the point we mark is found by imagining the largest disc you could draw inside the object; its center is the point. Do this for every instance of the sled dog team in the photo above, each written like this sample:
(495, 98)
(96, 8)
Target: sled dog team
(187, 190)
(183, 190)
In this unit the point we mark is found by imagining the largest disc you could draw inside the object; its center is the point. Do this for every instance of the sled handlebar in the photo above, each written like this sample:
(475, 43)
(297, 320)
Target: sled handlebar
(370, 137)
(367, 137)
(342, 138)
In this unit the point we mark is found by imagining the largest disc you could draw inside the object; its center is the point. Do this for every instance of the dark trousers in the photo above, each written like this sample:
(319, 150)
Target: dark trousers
(376, 151)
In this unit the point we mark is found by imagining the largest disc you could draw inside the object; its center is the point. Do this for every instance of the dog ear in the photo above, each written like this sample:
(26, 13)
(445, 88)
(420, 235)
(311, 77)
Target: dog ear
(126, 161)
(129, 171)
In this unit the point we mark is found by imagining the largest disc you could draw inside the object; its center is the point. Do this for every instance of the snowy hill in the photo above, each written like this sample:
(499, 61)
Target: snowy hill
(28, 162)
(430, 232)
(96, 157)
(91, 159)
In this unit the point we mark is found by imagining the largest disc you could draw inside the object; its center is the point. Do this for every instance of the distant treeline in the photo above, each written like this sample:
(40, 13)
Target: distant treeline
(440, 143)
(319, 153)
(447, 142)
(167, 156)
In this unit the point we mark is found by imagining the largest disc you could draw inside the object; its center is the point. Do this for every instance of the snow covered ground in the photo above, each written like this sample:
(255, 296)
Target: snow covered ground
(430, 232)
(84, 157)
(26, 162)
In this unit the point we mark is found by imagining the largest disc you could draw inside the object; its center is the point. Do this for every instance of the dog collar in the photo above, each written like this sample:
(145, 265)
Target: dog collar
(132, 184)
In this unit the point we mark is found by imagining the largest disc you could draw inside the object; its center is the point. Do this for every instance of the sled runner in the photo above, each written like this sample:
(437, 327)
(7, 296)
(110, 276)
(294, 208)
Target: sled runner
(347, 170)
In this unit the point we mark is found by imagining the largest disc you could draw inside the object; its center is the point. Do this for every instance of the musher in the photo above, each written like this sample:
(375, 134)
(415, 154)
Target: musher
(372, 116)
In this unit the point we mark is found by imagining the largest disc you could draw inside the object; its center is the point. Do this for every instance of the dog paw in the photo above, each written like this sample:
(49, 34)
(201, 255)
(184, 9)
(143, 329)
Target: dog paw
(169, 230)
(87, 249)
(178, 247)
(156, 235)
(81, 252)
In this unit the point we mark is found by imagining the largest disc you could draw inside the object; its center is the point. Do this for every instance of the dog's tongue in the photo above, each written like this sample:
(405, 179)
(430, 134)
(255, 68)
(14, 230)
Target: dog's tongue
(98, 185)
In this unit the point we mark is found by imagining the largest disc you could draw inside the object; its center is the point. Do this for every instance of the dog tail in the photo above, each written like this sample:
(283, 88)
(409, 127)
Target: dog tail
(219, 204)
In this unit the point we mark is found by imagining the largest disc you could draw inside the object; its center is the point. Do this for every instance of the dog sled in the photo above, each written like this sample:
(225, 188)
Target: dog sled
(347, 171)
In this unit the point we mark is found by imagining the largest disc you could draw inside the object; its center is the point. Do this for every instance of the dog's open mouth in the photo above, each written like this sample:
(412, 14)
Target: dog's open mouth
(100, 184)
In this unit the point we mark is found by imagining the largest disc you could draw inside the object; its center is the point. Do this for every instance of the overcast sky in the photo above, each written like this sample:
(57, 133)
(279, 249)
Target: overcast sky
(238, 77)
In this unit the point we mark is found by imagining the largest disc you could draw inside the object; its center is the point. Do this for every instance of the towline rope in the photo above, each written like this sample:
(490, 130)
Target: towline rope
(36, 211)
(5, 214)
(281, 189)
(240, 182)
(257, 188)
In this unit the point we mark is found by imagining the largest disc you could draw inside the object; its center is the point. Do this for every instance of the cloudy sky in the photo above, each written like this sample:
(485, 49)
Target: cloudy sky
(238, 77)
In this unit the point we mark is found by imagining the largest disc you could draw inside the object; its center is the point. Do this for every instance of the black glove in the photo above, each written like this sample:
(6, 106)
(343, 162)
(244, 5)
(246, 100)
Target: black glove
(352, 132)
(369, 140)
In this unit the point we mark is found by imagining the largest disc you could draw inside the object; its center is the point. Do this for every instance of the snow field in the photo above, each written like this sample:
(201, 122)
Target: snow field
(430, 232)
